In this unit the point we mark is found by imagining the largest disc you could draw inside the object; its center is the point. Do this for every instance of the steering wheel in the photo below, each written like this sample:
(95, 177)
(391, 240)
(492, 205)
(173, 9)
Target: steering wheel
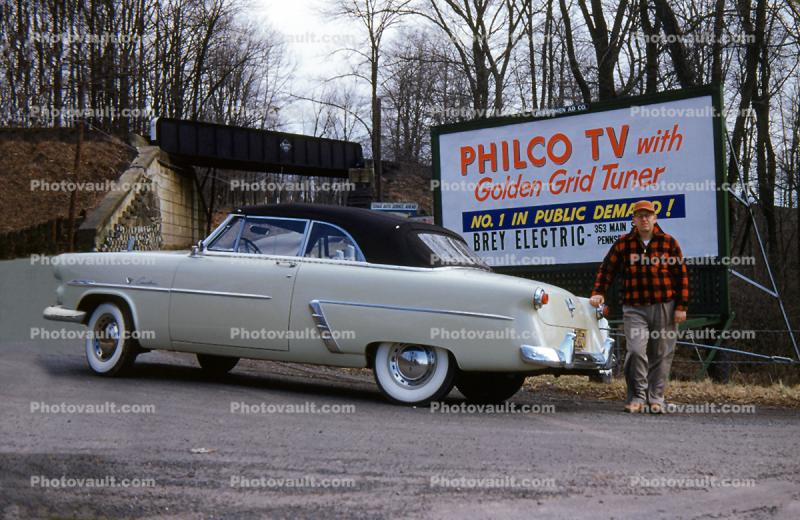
(249, 246)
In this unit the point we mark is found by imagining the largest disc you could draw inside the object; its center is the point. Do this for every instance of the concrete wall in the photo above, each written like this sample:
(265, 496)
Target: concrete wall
(181, 224)
(154, 206)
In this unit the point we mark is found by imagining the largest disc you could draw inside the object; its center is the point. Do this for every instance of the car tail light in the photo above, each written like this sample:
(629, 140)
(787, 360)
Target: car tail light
(601, 311)
(540, 297)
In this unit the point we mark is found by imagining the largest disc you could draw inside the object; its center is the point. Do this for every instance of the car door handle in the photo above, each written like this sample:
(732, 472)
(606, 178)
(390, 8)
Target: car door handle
(286, 263)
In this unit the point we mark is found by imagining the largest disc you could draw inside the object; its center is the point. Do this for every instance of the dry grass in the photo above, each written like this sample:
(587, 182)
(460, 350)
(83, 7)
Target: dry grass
(690, 392)
(35, 157)
(687, 392)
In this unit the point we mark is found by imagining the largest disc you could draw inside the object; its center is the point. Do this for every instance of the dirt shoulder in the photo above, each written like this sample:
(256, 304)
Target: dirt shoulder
(689, 392)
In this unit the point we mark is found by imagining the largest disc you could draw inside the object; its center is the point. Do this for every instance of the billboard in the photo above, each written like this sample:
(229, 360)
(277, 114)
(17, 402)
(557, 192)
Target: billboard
(560, 189)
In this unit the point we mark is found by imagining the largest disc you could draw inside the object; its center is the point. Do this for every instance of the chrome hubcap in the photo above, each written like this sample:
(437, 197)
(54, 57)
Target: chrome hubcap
(105, 336)
(411, 365)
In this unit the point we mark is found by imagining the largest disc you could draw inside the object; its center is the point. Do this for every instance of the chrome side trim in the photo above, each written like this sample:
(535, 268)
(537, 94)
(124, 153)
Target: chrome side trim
(59, 313)
(419, 309)
(89, 283)
(324, 329)
(222, 293)
(92, 283)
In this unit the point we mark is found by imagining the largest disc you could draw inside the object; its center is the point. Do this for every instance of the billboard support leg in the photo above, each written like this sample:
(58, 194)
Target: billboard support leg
(745, 200)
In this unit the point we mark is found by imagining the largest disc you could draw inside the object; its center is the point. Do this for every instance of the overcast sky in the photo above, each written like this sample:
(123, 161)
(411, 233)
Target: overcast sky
(311, 40)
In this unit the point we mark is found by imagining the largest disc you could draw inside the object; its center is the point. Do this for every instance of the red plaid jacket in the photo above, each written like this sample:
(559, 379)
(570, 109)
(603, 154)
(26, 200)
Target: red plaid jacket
(652, 274)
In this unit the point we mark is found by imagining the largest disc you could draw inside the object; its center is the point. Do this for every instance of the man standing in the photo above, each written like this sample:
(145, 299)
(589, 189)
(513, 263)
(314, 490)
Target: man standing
(655, 298)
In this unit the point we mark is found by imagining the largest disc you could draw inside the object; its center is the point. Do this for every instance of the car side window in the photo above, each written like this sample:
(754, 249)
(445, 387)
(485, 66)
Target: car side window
(272, 236)
(327, 241)
(226, 240)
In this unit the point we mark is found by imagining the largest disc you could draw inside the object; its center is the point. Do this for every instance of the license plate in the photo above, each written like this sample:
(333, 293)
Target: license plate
(580, 339)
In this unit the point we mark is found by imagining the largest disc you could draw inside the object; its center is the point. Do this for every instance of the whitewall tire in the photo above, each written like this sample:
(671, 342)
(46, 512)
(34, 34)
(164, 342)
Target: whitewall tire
(413, 374)
(110, 347)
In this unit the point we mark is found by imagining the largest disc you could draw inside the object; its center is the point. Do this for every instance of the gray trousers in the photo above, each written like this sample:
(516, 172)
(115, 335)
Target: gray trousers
(650, 333)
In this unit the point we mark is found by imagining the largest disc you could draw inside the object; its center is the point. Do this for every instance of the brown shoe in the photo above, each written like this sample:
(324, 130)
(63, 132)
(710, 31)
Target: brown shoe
(634, 408)
(657, 408)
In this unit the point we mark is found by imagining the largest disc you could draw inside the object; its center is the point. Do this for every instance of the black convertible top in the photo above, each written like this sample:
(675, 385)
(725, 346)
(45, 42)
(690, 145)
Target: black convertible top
(383, 238)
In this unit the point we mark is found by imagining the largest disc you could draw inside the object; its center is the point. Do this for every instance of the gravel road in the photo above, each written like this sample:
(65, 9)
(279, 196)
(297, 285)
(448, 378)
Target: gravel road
(322, 443)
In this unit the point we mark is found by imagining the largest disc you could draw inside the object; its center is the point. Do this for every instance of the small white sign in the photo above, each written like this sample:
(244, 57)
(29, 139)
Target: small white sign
(394, 206)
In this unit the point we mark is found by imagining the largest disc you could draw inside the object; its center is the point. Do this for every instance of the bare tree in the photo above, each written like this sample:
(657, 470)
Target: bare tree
(376, 17)
(484, 35)
(410, 91)
(111, 62)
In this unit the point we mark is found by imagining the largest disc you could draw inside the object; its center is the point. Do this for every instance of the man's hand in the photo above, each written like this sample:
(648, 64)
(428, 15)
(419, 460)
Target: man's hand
(597, 300)
(679, 316)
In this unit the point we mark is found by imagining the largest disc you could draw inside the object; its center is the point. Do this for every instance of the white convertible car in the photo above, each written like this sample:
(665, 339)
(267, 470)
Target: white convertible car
(333, 286)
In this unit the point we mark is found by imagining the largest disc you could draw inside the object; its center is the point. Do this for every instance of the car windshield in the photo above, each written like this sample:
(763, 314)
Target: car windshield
(446, 250)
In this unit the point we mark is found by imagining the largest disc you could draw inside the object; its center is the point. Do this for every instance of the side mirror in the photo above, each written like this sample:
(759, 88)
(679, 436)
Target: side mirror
(199, 248)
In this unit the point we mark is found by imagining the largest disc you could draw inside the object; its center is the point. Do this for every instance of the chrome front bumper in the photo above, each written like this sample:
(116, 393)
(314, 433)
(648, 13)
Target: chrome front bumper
(564, 356)
(59, 313)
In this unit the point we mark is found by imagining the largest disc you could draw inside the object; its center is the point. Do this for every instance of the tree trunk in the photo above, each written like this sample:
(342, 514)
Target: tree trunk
(765, 157)
(685, 72)
(716, 65)
(756, 35)
(573, 61)
(651, 49)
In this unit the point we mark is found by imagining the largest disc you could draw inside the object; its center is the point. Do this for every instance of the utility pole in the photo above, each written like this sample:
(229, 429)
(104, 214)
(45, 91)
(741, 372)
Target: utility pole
(74, 193)
(376, 148)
